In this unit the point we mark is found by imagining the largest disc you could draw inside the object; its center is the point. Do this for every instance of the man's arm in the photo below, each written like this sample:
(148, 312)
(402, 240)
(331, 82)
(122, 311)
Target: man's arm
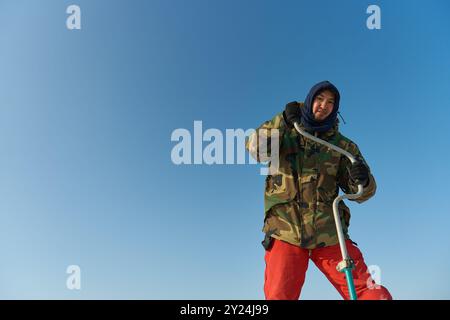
(346, 183)
(258, 143)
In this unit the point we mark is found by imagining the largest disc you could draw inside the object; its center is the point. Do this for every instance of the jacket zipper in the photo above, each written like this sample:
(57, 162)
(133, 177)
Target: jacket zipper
(297, 194)
(315, 203)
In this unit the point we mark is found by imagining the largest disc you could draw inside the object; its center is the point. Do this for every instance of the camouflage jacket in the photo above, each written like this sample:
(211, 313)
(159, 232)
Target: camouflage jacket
(299, 195)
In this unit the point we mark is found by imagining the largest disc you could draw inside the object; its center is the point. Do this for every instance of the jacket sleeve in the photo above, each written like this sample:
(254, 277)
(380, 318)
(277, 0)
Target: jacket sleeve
(259, 142)
(347, 184)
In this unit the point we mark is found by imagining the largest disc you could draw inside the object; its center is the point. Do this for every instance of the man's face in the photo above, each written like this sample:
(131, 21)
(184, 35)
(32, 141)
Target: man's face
(323, 105)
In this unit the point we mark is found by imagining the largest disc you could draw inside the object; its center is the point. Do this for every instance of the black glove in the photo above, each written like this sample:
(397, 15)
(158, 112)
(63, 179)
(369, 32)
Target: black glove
(292, 113)
(359, 173)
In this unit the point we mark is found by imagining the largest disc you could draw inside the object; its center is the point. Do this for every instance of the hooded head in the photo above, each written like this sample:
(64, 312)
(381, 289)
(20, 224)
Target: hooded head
(320, 114)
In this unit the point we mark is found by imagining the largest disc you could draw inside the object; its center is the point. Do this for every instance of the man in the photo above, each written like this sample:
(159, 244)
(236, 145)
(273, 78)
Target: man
(299, 223)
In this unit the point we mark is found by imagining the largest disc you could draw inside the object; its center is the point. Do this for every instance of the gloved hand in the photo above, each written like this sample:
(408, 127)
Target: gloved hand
(292, 113)
(359, 172)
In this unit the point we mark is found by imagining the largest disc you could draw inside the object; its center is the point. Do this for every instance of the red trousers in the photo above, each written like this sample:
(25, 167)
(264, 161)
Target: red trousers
(286, 265)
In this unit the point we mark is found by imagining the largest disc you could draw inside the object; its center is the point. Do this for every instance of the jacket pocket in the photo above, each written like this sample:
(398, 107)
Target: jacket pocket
(280, 186)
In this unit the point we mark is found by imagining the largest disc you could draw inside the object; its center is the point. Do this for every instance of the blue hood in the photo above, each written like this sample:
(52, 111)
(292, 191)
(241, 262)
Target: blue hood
(307, 118)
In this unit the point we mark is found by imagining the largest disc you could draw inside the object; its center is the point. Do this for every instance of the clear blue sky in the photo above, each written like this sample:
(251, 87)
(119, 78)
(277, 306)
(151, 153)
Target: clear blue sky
(86, 118)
